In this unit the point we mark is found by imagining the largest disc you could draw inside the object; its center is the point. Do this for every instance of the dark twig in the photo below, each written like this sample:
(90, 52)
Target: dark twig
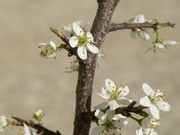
(121, 26)
(125, 111)
(40, 129)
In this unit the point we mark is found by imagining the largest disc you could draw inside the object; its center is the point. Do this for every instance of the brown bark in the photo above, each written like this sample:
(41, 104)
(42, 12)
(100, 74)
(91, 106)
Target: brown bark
(100, 28)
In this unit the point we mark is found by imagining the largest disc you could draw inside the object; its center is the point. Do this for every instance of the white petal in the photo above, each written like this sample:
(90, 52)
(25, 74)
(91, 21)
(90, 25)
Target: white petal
(73, 41)
(67, 28)
(122, 123)
(110, 85)
(113, 132)
(26, 129)
(133, 34)
(53, 45)
(113, 105)
(110, 114)
(53, 55)
(43, 44)
(101, 106)
(92, 48)
(150, 131)
(124, 101)
(79, 22)
(147, 89)
(145, 101)
(139, 131)
(169, 42)
(144, 35)
(164, 106)
(159, 45)
(140, 19)
(119, 117)
(98, 113)
(105, 96)
(124, 91)
(82, 52)
(154, 122)
(90, 37)
(155, 112)
(77, 29)
(103, 91)
(97, 130)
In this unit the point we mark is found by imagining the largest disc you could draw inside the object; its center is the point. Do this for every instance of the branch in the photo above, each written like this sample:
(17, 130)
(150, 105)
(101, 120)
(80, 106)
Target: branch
(84, 89)
(40, 129)
(64, 39)
(125, 111)
(120, 26)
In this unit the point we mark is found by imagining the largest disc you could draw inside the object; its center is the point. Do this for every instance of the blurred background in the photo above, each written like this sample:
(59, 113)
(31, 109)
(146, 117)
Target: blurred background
(29, 82)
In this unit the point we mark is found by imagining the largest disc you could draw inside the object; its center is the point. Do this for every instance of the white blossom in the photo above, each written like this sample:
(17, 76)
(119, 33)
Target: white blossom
(110, 124)
(27, 131)
(3, 122)
(154, 100)
(48, 50)
(140, 31)
(68, 28)
(114, 95)
(83, 41)
(162, 45)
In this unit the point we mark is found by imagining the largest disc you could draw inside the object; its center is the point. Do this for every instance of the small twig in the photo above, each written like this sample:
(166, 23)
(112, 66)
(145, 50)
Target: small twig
(40, 129)
(121, 26)
(60, 35)
(125, 111)
(64, 39)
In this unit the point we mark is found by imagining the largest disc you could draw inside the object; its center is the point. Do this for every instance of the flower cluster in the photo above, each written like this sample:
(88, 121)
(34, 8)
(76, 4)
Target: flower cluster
(78, 37)
(139, 31)
(159, 44)
(111, 122)
(154, 100)
(114, 95)
(82, 40)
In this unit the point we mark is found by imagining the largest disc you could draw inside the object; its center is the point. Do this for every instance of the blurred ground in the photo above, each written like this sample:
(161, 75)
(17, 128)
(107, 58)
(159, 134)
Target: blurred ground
(29, 82)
